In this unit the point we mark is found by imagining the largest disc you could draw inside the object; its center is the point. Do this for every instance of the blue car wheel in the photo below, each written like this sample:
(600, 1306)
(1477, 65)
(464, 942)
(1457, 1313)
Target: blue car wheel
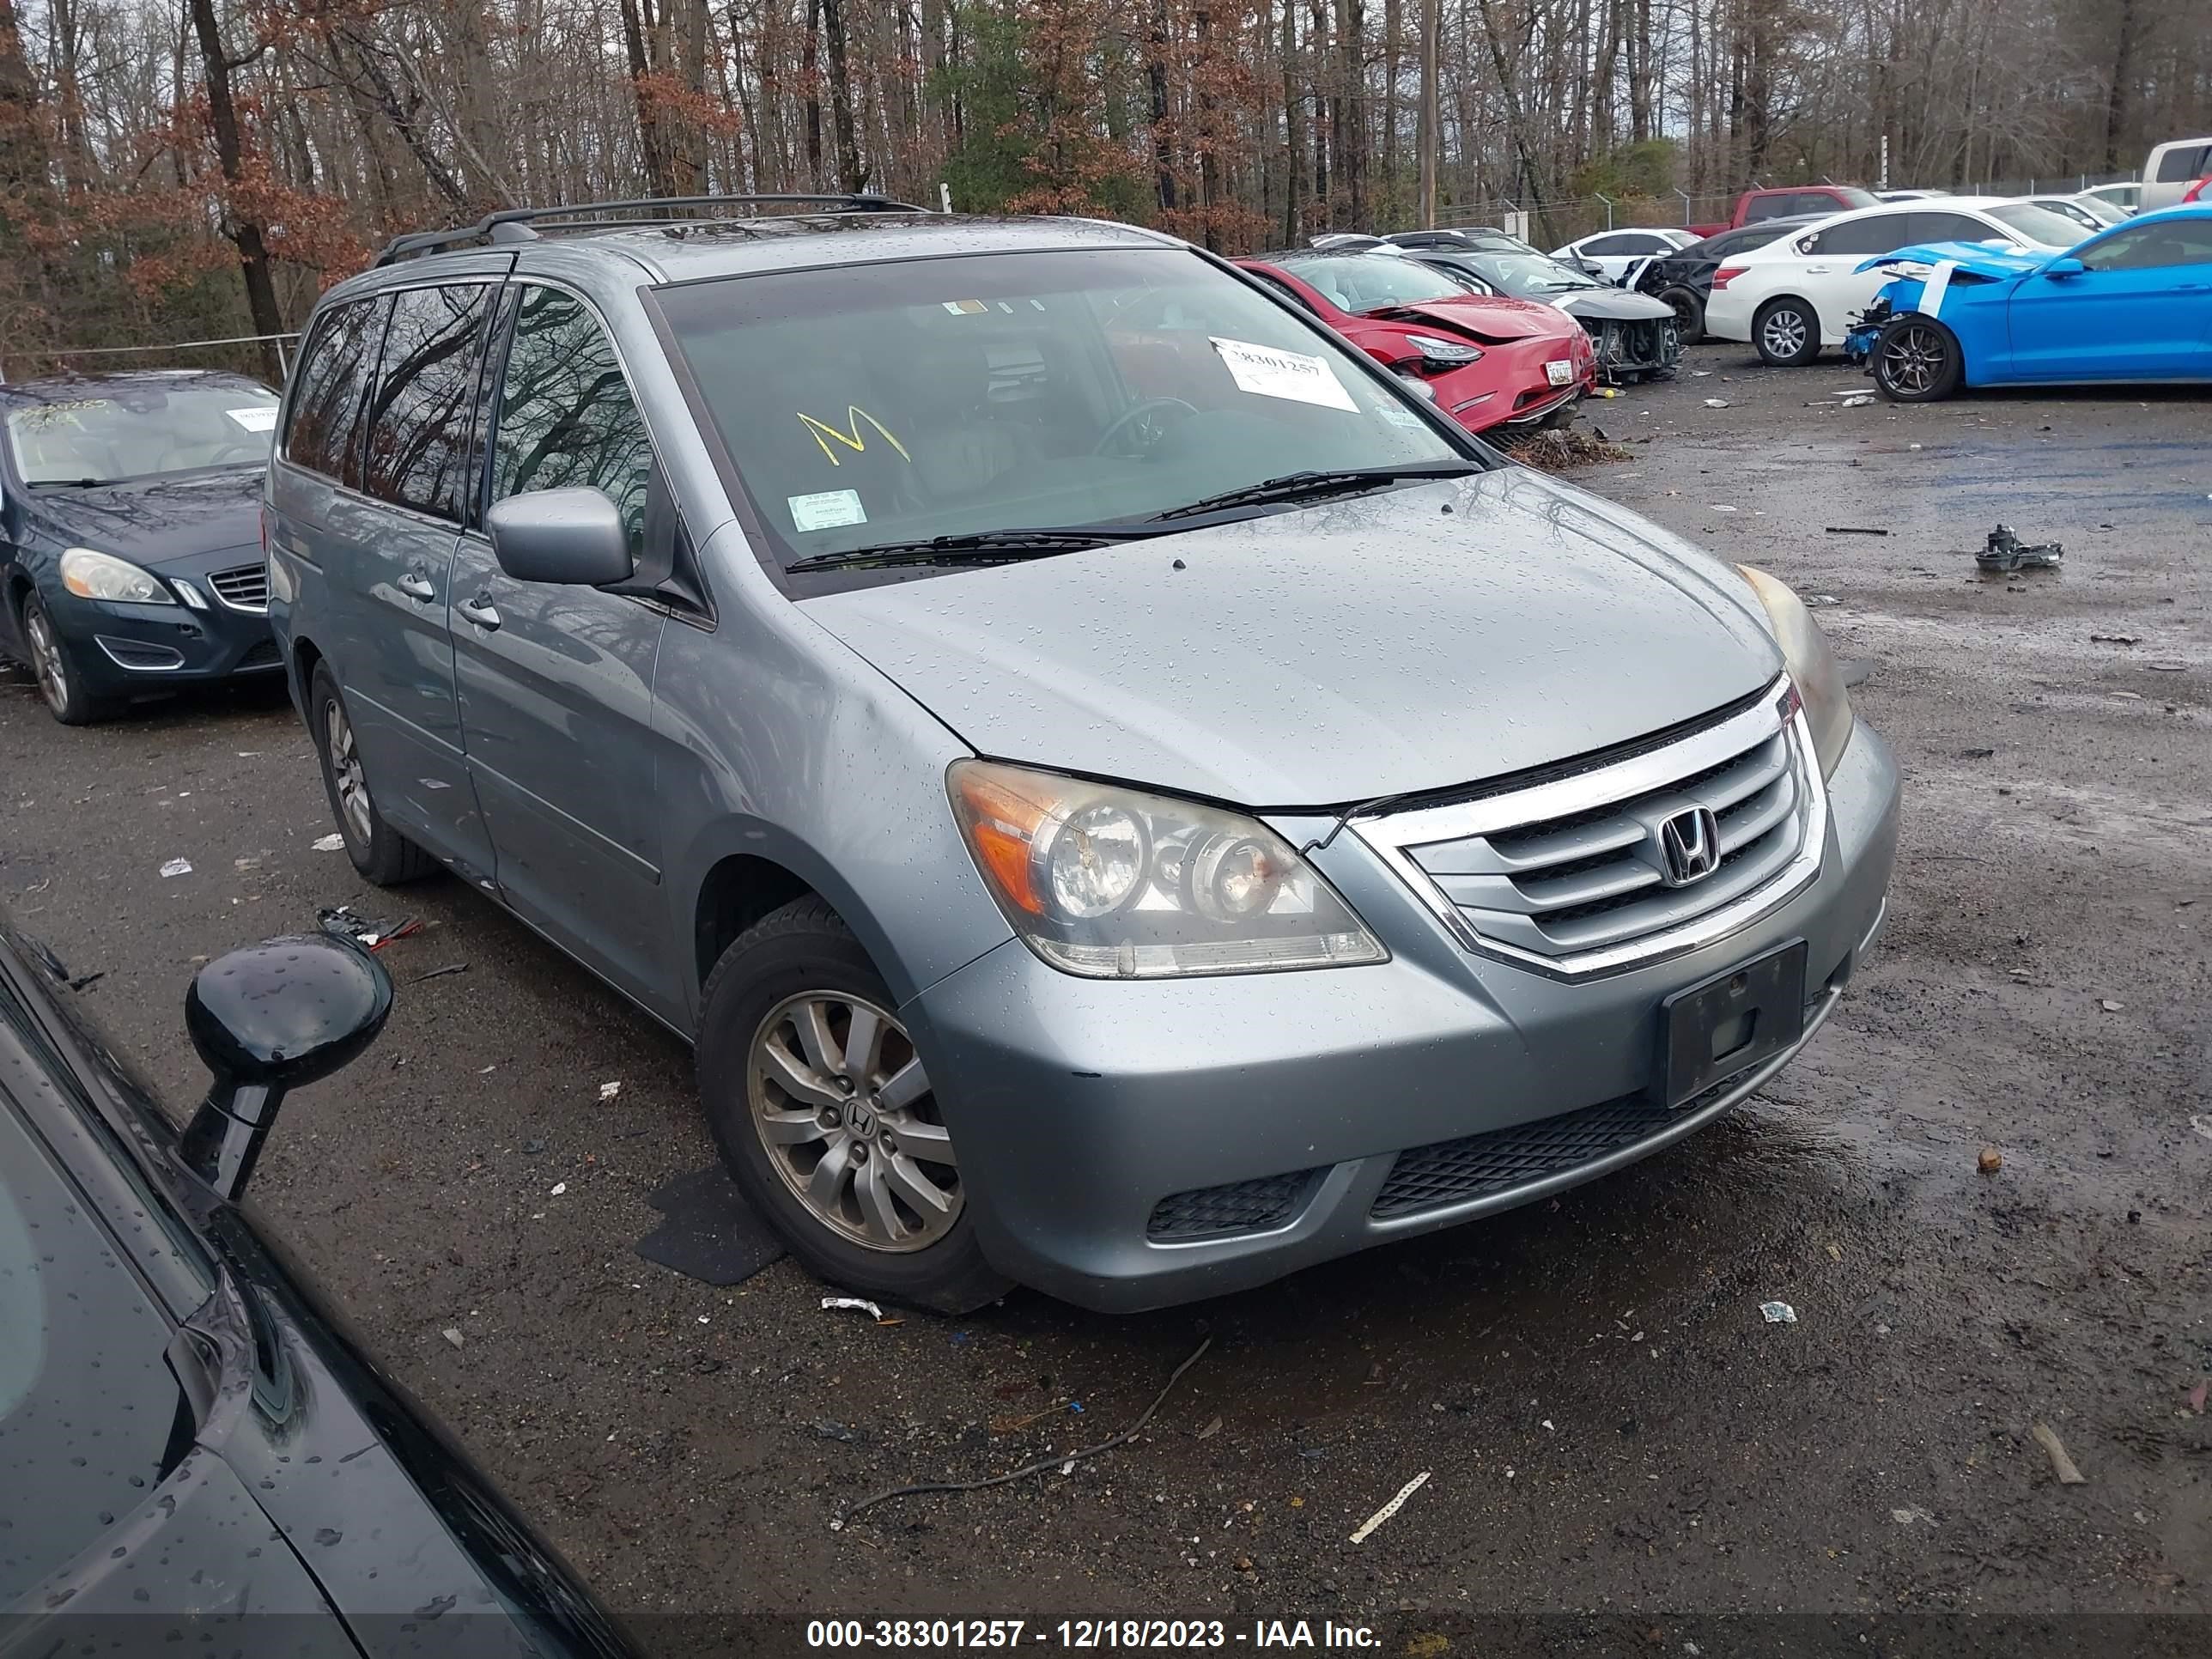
(1916, 359)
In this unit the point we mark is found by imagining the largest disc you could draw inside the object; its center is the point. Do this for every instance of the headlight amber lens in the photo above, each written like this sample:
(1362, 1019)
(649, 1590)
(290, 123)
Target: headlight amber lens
(1117, 883)
(1812, 666)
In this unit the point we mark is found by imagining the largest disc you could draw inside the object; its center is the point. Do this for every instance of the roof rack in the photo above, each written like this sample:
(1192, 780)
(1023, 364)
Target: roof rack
(513, 224)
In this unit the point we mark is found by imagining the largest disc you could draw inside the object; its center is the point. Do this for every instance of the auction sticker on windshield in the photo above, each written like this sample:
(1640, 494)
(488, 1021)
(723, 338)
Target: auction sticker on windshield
(261, 417)
(831, 509)
(1265, 372)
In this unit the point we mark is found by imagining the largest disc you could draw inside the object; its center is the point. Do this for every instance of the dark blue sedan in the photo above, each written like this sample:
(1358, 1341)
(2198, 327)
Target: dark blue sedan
(130, 557)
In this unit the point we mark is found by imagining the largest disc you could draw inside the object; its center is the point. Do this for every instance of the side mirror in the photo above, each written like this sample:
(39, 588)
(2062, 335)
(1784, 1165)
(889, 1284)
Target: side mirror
(268, 1019)
(573, 538)
(2065, 266)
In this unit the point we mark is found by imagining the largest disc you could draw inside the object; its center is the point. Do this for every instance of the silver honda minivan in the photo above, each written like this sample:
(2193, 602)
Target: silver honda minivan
(1120, 793)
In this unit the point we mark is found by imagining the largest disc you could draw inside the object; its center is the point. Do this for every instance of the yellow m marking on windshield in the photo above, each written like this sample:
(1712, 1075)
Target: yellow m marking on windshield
(823, 432)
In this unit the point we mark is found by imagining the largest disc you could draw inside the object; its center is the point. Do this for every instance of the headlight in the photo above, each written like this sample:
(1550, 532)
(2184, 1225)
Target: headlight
(1812, 667)
(92, 576)
(1115, 883)
(1444, 353)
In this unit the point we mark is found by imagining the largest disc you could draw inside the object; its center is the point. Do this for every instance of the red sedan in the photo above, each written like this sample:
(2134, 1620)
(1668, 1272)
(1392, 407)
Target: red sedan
(1487, 360)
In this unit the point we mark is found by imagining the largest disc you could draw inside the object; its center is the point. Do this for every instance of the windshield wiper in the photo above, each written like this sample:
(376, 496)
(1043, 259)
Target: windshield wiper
(983, 546)
(1315, 486)
(71, 484)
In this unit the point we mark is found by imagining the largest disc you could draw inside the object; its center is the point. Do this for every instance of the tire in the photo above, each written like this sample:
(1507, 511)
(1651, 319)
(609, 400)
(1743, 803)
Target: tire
(381, 853)
(1787, 333)
(778, 1017)
(1916, 359)
(1689, 314)
(60, 678)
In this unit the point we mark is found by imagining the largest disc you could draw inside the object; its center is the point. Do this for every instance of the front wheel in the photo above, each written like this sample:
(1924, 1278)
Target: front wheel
(826, 1118)
(1689, 314)
(61, 682)
(1916, 359)
(1787, 333)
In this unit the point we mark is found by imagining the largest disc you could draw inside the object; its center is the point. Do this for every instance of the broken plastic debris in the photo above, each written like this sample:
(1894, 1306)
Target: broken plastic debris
(2006, 551)
(1815, 601)
(452, 1334)
(609, 1090)
(1393, 1506)
(1716, 403)
(333, 843)
(176, 867)
(1778, 1313)
(559, 1187)
(867, 1308)
(2062, 1465)
(2109, 1006)
(2202, 1124)
(1212, 1428)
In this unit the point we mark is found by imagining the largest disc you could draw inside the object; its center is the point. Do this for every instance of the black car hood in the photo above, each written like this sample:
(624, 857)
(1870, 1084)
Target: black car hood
(158, 523)
(1612, 305)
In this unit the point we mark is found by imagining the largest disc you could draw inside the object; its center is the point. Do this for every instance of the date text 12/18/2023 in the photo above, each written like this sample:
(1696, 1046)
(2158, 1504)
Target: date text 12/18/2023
(952, 1635)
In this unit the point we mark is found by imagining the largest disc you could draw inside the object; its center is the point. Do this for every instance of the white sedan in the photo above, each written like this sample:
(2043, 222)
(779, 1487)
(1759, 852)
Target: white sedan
(1611, 253)
(1803, 292)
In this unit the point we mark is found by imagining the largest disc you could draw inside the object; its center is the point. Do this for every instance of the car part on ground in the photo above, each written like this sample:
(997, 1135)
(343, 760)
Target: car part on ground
(956, 769)
(199, 1438)
(2004, 552)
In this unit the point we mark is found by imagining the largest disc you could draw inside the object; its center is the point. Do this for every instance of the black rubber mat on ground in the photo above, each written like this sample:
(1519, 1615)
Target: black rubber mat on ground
(708, 1232)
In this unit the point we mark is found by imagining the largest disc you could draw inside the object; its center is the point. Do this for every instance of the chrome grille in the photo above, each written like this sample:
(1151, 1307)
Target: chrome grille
(242, 587)
(1569, 874)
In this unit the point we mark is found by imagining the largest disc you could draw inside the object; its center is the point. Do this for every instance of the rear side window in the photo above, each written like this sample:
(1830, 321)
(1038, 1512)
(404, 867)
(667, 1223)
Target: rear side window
(1877, 233)
(1770, 207)
(419, 413)
(2185, 162)
(321, 431)
(566, 416)
(1946, 227)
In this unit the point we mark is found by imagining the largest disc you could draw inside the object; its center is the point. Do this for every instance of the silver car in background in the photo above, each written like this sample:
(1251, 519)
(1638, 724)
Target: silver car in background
(1120, 793)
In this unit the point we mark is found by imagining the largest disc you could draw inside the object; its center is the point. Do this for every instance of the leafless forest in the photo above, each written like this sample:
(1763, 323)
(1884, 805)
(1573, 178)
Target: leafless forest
(181, 168)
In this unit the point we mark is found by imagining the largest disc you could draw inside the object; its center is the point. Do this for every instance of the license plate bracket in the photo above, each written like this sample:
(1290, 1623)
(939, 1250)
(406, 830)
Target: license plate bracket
(1559, 371)
(1734, 1020)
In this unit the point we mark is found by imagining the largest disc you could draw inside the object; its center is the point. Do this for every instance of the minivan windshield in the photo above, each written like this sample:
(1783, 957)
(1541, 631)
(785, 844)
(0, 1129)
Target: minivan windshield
(144, 430)
(870, 405)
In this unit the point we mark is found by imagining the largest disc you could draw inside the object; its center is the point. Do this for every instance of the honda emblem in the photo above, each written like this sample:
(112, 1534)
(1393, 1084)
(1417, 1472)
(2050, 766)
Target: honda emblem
(1689, 847)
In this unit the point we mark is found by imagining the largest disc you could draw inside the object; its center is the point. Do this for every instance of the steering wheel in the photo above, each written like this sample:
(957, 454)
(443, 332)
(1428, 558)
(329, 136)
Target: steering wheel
(1130, 420)
(238, 452)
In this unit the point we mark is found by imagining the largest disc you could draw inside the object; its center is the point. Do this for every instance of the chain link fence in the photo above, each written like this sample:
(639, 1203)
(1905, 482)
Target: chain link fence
(244, 354)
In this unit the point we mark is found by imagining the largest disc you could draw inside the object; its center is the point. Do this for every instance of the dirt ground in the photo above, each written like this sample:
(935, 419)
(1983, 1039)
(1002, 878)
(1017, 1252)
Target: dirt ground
(1619, 1446)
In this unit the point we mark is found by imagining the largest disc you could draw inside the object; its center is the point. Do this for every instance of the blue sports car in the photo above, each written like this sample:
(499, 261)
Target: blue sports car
(2133, 303)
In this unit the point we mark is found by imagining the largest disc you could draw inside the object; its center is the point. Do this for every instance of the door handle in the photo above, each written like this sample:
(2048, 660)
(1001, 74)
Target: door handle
(479, 610)
(1816, 270)
(415, 584)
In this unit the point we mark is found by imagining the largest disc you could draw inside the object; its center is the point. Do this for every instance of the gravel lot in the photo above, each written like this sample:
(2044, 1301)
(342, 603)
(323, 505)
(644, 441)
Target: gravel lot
(1613, 1430)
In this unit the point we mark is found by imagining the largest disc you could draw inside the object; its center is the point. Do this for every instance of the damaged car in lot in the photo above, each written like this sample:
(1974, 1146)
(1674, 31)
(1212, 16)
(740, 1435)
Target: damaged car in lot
(2134, 304)
(1485, 360)
(1121, 793)
(131, 560)
(1635, 337)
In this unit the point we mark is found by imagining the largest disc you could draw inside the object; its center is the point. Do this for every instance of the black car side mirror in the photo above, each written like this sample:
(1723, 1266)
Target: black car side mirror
(573, 538)
(268, 1019)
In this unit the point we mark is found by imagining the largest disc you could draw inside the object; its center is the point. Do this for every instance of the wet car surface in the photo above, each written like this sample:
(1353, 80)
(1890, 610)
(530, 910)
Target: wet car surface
(2055, 860)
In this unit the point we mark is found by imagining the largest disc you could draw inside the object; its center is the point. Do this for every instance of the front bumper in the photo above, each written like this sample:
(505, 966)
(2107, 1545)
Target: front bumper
(119, 650)
(1085, 1110)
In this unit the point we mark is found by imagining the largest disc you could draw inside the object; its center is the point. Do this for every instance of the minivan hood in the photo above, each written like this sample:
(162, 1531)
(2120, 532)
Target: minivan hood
(1415, 640)
(158, 523)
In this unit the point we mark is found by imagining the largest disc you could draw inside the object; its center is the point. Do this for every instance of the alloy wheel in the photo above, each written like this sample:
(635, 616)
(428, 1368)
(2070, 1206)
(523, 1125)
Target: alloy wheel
(47, 662)
(844, 1110)
(1912, 357)
(347, 774)
(1783, 334)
